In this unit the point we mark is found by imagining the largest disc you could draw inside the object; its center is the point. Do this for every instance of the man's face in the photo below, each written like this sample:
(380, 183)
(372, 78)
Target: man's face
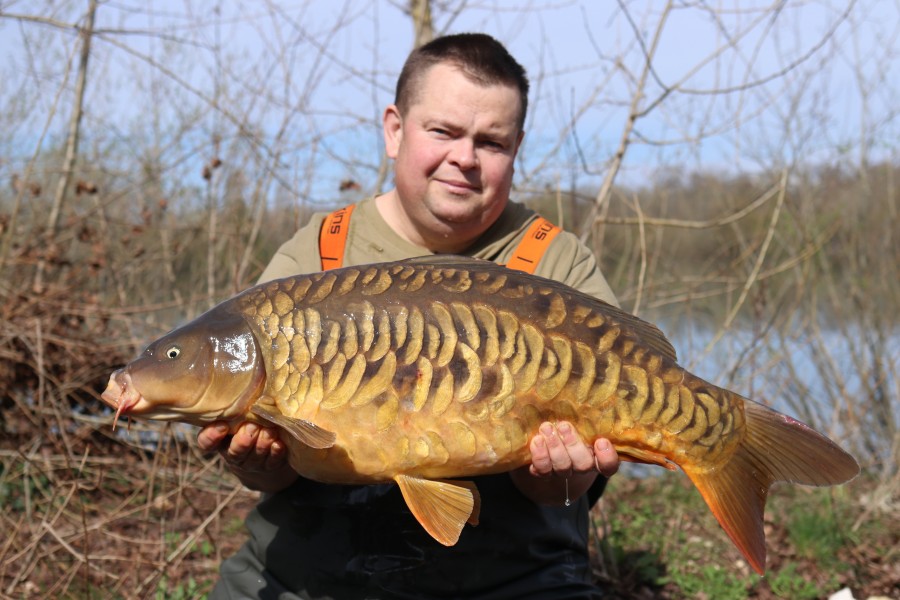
(454, 152)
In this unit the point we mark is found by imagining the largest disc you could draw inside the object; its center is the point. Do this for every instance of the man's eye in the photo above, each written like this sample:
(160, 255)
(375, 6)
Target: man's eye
(492, 145)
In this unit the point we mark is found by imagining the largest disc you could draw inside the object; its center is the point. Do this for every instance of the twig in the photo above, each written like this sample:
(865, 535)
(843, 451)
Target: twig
(82, 558)
(182, 549)
(639, 294)
(683, 224)
(78, 555)
(634, 114)
(29, 169)
(754, 273)
(560, 216)
(32, 547)
(71, 142)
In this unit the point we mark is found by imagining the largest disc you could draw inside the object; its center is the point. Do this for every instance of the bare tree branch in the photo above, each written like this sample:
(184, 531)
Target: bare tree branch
(72, 140)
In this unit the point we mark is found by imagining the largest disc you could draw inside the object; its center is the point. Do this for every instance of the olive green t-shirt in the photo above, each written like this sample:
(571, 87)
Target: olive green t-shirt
(370, 239)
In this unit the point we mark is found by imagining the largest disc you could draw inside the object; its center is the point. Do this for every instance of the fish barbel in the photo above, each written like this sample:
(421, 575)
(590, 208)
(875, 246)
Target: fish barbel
(443, 367)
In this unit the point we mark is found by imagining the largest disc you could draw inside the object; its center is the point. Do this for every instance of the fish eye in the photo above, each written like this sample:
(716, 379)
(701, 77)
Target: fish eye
(173, 352)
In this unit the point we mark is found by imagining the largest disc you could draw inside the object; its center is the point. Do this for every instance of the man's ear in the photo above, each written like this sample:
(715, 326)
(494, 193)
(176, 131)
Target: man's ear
(519, 139)
(392, 125)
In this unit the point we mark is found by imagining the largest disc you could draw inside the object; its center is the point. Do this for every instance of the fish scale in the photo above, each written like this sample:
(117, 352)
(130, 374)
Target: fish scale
(436, 368)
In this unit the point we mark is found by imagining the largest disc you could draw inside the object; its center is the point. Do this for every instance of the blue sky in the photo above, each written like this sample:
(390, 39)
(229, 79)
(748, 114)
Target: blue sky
(810, 80)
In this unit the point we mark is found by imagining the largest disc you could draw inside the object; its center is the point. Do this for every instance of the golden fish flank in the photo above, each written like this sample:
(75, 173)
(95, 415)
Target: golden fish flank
(454, 334)
(445, 367)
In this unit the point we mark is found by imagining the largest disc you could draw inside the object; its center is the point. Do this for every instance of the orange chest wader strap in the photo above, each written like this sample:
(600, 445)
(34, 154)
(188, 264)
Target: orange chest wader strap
(537, 239)
(527, 255)
(333, 238)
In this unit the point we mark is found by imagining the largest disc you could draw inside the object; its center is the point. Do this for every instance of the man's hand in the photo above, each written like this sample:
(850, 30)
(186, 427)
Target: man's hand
(255, 454)
(560, 459)
(560, 451)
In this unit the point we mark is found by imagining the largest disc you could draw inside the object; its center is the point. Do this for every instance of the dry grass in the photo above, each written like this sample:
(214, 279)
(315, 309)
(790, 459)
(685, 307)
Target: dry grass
(88, 512)
(115, 521)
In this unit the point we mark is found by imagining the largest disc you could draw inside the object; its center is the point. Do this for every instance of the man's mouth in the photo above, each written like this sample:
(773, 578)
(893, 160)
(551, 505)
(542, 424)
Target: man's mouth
(459, 186)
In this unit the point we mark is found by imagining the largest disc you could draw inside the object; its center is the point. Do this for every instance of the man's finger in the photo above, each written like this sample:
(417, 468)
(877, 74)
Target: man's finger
(243, 442)
(606, 457)
(264, 442)
(541, 464)
(559, 451)
(277, 456)
(580, 456)
(211, 437)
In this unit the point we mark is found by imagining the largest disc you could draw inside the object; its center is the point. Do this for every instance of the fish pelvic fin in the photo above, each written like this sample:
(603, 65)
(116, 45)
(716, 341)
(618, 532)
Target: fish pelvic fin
(643, 456)
(775, 448)
(442, 507)
(304, 431)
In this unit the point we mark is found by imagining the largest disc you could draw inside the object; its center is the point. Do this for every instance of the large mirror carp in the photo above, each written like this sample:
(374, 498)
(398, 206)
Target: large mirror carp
(427, 370)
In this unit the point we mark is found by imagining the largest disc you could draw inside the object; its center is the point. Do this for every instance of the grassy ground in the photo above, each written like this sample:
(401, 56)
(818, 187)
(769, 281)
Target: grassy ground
(109, 520)
(657, 540)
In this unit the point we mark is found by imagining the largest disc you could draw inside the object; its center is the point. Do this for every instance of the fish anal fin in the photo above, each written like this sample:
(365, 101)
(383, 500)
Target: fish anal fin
(303, 431)
(442, 507)
(639, 455)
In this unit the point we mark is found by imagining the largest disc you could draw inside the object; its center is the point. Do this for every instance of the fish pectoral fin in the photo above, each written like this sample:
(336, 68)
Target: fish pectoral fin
(302, 430)
(442, 507)
(638, 455)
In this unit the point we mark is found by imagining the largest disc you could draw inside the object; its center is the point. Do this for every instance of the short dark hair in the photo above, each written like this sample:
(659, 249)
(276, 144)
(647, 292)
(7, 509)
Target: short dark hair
(480, 57)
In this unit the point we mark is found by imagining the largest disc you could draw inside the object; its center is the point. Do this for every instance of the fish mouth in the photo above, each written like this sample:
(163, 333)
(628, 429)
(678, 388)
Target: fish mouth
(121, 394)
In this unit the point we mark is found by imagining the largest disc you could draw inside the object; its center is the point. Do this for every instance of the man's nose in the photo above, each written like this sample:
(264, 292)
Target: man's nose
(463, 154)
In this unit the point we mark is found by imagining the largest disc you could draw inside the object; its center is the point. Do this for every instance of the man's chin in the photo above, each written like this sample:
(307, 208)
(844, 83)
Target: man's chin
(457, 208)
(458, 222)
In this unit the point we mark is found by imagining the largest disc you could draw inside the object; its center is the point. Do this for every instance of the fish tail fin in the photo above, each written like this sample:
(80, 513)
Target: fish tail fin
(775, 448)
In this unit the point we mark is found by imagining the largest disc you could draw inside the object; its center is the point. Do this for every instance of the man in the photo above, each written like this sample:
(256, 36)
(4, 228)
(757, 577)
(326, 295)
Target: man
(453, 133)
